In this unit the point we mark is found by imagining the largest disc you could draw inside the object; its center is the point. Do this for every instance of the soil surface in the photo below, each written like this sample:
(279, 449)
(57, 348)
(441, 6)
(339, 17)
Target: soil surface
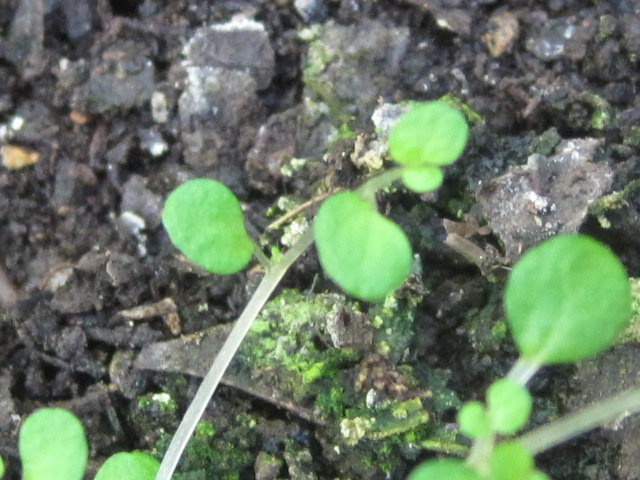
(108, 105)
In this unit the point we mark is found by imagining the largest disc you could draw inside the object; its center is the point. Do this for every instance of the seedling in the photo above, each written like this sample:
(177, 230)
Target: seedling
(52, 446)
(565, 300)
(363, 252)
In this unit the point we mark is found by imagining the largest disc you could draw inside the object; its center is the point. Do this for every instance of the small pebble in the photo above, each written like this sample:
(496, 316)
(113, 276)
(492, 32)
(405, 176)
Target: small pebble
(15, 158)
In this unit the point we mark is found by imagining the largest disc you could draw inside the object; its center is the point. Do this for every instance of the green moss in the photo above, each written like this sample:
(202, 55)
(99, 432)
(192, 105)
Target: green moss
(332, 403)
(471, 115)
(613, 202)
(393, 322)
(487, 328)
(223, 455)
(631, 136)
(288, 342)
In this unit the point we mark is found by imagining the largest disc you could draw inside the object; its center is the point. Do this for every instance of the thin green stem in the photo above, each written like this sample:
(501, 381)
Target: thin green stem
(368, 189)
(574, 424)
(223, 359)
(262, 258)
(480, 454)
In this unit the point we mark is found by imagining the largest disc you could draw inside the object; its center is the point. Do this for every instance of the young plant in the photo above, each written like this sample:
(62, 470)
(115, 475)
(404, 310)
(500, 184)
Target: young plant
(362, 251)
(53, 446)
(565, 300)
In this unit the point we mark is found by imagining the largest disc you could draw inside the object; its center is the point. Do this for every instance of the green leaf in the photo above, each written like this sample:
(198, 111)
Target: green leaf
(510, 461)
(445, 469)
(473, 420)
(205, 222)
(538, 475)
(566, 300)
(422, 179)
(129, 466)
(52, 446)
(362, 251)
(431, 133)
(1, 467)
(508, 405)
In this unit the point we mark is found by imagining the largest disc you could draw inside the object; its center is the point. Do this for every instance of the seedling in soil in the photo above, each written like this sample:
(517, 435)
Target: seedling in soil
(565, 300)
(52, 446)
(362, 251)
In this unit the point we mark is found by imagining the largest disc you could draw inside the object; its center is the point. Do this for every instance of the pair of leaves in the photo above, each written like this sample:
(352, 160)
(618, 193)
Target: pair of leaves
(429, 136)
(567, 299)
(508, 409)
(53, 446)
(366, 254)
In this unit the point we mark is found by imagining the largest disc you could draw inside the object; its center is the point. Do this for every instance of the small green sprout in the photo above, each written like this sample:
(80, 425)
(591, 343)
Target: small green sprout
(365, 253)
(204, 220)
(52, 446)
(565, 300)
(508, 409)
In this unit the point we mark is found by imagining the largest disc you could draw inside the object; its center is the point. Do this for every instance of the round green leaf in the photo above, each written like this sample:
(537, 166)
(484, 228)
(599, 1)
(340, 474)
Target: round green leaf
(508, 405)
(422, 179)
(510, 461)
(362, 251)
(431, 133)
(473, 420)
(129, 466)
(445, 469)
(205, 222)
(52, 446)
(566, 300)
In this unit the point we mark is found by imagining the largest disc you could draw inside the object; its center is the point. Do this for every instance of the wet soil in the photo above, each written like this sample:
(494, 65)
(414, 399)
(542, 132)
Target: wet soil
(107, 105)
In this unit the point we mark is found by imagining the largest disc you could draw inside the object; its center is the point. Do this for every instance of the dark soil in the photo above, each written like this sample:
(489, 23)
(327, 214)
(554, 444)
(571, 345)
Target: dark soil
(108, 105)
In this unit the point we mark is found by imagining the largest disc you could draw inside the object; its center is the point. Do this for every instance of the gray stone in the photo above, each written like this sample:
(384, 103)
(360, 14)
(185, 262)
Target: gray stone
(241, 44)
(545, 197)
(350, 67)
(124, 79)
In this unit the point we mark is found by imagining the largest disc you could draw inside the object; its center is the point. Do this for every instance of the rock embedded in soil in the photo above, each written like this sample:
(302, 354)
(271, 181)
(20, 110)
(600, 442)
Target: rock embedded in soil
(225, 65)
(545, 197)
(350, 67)
(240, 44)
(121, 78)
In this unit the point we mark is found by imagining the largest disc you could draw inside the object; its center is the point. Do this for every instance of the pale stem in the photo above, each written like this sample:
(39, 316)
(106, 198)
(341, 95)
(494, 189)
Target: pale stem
(368, 190)
(262, 258)
(522, 371)
(574, 424)
(223, 359)
(481, 449)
